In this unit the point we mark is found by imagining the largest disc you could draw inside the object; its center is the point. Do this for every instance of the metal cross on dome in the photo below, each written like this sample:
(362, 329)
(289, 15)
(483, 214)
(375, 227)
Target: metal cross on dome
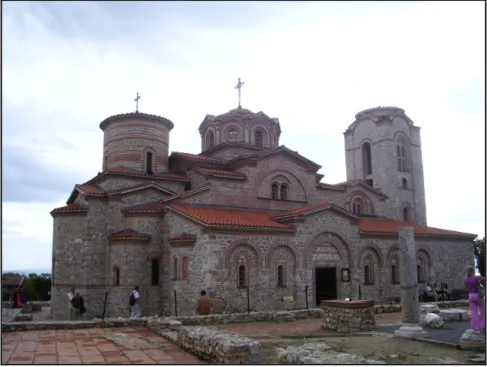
(238, 86)
(136, 100)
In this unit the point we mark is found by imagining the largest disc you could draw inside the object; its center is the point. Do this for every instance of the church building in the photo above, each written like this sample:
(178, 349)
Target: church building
(247, 219)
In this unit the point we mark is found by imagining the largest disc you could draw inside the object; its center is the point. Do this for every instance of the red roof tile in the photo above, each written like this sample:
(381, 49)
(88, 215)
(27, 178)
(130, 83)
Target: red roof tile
(309, 209)
(182, 237)
(70, 208)
(12, 280)
(159, 176)
(220, 173)
(197, 157)
(229, 216)
(301, 210)
(389, 226)
(129, 234)
(147, 207)
(91, 190)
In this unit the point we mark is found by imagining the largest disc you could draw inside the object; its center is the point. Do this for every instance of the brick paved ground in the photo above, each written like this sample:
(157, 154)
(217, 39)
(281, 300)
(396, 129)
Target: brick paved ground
(88, 346)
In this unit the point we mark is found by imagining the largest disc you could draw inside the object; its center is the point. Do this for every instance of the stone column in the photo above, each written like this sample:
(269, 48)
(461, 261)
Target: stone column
(409, 286)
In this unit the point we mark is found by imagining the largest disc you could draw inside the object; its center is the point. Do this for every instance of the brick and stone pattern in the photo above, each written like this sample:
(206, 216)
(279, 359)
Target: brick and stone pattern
(348, 317)
(85, 258)
(128, 138)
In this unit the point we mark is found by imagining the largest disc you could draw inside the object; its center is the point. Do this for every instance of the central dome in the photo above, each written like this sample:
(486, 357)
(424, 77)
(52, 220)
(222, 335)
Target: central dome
(240, 125)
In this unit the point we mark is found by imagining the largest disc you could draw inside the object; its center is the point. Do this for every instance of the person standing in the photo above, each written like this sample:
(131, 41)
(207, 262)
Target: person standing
(79, 306)
(72, 311)
(204, 304)
(134, 302)
(476, 303)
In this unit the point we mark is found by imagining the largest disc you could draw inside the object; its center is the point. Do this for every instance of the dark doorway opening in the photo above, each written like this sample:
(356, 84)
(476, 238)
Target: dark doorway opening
(325, 284)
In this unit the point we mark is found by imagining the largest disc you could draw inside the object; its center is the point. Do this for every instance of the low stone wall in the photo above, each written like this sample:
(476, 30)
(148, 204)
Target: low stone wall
(6, 304)
(348, 317)
(260, 316)
(397, 308)
(319, 353)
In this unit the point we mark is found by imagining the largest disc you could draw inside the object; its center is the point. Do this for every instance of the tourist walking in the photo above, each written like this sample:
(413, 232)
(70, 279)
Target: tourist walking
(78, 305)
(134, 302)
(204, 304)
(475, 301)
(72, 311)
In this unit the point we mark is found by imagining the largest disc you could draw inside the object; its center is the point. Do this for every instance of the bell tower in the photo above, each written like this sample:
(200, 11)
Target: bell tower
(383, 147)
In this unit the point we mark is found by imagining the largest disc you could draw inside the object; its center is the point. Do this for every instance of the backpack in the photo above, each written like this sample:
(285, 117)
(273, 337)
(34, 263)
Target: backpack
(132, 299)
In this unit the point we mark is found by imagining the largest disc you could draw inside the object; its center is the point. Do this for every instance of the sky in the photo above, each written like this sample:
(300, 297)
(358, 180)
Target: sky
(314, 65)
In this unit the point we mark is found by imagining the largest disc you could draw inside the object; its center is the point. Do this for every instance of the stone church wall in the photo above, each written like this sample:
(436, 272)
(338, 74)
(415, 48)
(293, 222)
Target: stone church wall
(79, 250)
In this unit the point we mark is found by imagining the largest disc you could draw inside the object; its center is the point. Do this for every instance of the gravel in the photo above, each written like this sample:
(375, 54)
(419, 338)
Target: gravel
(8, 314)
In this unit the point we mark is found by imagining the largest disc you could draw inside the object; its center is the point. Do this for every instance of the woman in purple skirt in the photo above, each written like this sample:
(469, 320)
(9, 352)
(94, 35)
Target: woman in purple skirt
(476, 303)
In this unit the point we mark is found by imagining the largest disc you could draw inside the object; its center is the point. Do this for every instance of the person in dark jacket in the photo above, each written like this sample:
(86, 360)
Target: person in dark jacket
(78, 305)
(23, 297)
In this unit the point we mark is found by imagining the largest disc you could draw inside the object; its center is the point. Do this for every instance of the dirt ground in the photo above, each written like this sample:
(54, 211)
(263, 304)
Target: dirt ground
(390, 350)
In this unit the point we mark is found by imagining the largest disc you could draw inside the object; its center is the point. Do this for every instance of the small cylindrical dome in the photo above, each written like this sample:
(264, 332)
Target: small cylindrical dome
(136, 141)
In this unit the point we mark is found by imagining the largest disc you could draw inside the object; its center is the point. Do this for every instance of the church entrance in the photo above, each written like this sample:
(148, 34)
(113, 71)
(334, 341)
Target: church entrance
(325, 284)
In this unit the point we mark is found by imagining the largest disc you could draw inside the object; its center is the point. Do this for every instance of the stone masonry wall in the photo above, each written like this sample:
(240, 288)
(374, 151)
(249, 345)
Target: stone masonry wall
(383, 137)
(79, 249)
(349, 319)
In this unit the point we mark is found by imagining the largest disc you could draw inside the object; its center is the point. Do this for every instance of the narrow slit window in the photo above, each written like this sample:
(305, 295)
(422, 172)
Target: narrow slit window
(242, 276)
(280, 276)
(148, 163)
(155, 272)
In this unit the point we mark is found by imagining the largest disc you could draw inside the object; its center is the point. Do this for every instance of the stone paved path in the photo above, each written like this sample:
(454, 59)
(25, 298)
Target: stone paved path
(90, 346)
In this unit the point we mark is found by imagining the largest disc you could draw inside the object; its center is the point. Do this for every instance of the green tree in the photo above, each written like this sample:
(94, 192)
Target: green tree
(38, 286)
(479, 253)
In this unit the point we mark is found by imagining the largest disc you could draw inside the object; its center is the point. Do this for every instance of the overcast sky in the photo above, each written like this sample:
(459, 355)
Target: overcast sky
(68, 65)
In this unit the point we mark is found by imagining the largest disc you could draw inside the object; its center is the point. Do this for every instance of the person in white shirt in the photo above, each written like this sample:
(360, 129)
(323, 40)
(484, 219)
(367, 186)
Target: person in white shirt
(135, 311)
(72, 310)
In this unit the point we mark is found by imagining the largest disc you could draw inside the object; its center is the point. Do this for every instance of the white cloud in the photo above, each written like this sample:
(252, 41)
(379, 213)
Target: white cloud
(312, 64)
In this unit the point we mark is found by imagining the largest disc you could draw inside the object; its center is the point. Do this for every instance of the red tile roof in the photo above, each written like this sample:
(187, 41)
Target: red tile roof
(220, 173)
(390, 227)
(182, 237)
(226, 216)
(92, 190)
(12, 280)
(139, 116)
(129, 234)
(145, 208)
(309, 209)
(70, 208)
(197, 157)
(159, 176)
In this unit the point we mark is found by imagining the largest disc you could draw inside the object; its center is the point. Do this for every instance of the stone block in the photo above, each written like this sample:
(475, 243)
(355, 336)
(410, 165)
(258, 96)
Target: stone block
(472, 339)
(425, 308)
(22, 318)
(433, 321)
(453, 315)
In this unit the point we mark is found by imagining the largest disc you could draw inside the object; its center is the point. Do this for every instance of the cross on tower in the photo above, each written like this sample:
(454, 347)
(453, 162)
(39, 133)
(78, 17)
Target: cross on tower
(238, 86)
(136, 100)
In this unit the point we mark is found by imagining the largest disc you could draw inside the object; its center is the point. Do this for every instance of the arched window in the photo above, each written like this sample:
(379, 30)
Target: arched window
(394, 270)
(175, 268)
(259, 139)
(280, 276)
(283, 192)
(148, 163)
(405, 214)
(210, 140)
(185, 268)
(366, 159)
(116, 276)
(404, 183)
(106, 163)
(421, 271)
(401, 156)
(369, 270)
(155, 272)
(274, 191)
(242, 278)
(367, 274)
(232, 134)
(358, 206)
(394, 277)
